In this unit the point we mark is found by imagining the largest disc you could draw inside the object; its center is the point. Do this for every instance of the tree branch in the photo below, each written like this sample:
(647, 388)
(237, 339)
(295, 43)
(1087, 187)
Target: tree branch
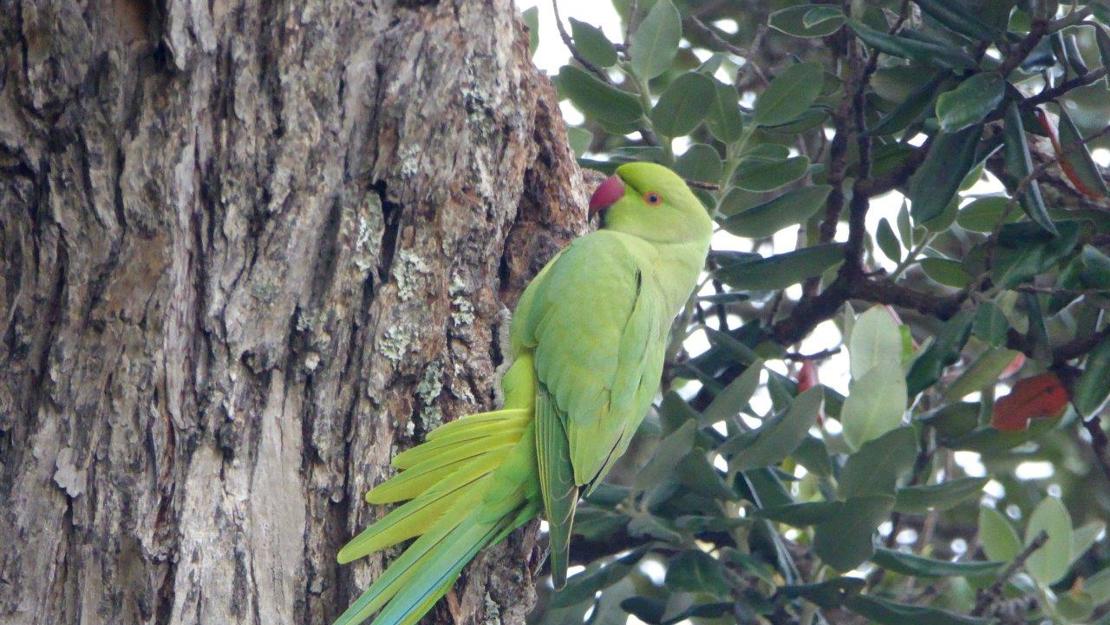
(984, 599)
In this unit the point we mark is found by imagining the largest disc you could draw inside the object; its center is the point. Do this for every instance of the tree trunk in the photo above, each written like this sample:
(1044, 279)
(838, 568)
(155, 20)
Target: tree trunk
(250, 248)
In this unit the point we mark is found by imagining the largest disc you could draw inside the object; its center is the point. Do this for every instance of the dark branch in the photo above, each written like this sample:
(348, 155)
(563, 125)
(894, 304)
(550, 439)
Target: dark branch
(984, 599)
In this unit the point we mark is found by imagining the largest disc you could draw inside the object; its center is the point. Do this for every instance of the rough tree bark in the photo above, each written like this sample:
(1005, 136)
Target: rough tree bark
(251, 247)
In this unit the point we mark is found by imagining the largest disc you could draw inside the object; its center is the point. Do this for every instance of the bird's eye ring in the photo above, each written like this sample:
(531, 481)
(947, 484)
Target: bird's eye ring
(653, 198)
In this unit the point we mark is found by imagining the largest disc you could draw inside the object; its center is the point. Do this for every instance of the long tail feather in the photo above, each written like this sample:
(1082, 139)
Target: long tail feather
(412, 482)
(470, 484)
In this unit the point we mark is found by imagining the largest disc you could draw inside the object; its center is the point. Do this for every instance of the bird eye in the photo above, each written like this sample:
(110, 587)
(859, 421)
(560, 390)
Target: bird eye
(653, 198)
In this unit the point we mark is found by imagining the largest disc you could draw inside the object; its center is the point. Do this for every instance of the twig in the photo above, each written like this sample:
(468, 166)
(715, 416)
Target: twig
(701, 28)
(698, 184)
(628, 25)
(821, 355)
(984, 599)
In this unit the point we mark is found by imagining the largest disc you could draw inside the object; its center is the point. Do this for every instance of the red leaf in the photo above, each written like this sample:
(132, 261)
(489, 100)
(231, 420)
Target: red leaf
(807, 376)
(1065, 164)
(807, 379)
(1039, 397)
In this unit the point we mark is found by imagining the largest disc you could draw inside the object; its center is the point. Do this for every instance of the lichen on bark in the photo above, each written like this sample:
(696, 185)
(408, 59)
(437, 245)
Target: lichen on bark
(250, 249)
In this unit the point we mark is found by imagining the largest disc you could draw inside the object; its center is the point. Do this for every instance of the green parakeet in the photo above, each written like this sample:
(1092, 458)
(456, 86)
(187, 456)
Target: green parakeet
(588, 339)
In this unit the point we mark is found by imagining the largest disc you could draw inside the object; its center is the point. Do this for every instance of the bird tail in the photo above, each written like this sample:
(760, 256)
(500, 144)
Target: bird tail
(471, 483)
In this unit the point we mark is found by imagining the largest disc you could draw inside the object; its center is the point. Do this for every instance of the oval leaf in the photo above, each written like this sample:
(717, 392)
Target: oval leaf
(934, 185)
(683, 105)
(597, 99)
(790, 208)
(789, 95)
(760, 174)
(792, 21)
(875, 341)
(782, 270)
(1000, 541)
(970, 102)
(1050, 563)
(593, 44)
(655, 41)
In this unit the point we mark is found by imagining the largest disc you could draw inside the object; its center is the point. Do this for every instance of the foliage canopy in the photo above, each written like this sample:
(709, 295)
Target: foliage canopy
(969, 318)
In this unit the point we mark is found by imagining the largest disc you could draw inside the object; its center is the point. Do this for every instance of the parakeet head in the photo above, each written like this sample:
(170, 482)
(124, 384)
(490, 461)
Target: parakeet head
(653, 203)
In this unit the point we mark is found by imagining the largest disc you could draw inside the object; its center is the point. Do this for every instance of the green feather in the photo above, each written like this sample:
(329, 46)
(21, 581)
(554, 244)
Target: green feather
(477, 433)
(560, 492)
(412, 482)
(496, 416)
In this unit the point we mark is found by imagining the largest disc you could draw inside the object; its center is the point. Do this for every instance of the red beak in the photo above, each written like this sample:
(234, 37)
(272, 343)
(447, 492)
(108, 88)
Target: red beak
(606, 195)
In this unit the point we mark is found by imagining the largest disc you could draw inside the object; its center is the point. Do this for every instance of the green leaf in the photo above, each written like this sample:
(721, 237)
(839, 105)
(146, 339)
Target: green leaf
(948, 57)
(790, 208)
(926, 369)
(888, 241)
(1076, 154)
(828, 595)
(820, 14)
(887, 612)
(814, 456)
(983, 214)
(1083, 538)
(909, 564)
(734, 398)
(699, 162)
(954, 420)
(1000, 541)
(1050, 563)
(531, 18)
(934, 185)
(1019, 164)
(777, 437)
(763, 174)
(909, 109)
(789, 95)
(724, 121)
(954, 15)
(648, 609)
(1098, 585)
(946, 272)
(875, 341)
(991, 324)
(592, 44)
(655, 41)
(697, 571)
(650, 526)
(597, 576)
(943, 496)
(945, 219)
(580, 139)
(695, 472)
(1025, 250)
(1091, 390)
(981, 374)
(845, 541)
(970, 102)
(802, 514)
(875, 405)
(683, 105)
(792, 21)
(667, 454)
(781, 270)
(599, 100)
(876, 468)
